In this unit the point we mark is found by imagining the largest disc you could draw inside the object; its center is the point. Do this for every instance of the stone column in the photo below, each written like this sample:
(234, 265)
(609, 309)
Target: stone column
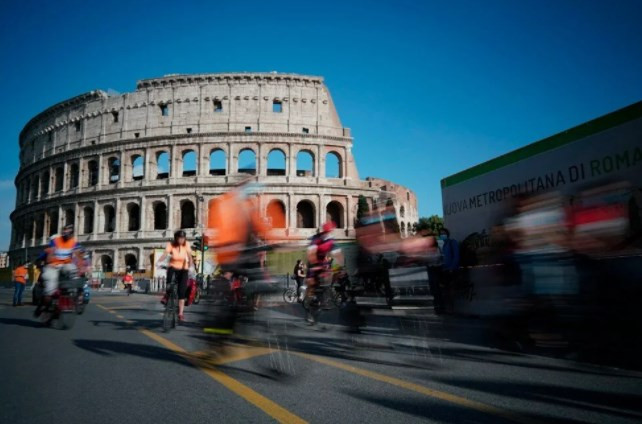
(291, 162)
(231, 160)
(95, 221)
(143, 214)
(147, 168)
(170, 212)
(117, 220)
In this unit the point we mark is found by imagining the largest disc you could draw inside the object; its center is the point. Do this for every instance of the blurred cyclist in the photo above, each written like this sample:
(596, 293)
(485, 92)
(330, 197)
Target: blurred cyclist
(64, 255)
(319, 259)
(180, 262)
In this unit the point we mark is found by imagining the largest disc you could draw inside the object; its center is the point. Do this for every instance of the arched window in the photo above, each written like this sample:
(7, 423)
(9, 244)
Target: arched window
(138, 168)
(131, 262)
(69, 217)
(189, 163)
(35, 186)
(276, 163)
(247, 162)
(160, 216)
(403, 228)
(53, 223)
(106, 263)
(217, 162)
(389, 203)
(92, 173)
(334, 213)
(88, 222)
(333, 165)
(187, 214)
(408, 196)
(44, 187)
(114, 169)
(74, 175)
(40, 228)
(133, 217)
(109, 214)
(305, 214)
(276, 214)
(305, 164)
(59, 178)
(162, 166)
(402, 212)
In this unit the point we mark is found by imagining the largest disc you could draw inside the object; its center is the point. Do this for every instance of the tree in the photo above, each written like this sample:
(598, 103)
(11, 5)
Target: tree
(433, 224)
(362, 209)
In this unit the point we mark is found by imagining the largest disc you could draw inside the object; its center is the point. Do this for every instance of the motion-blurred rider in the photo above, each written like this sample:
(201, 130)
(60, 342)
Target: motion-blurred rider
(63, 256)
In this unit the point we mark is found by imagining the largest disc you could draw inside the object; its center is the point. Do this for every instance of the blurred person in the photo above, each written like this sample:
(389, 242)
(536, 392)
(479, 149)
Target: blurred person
(449, 248)
(319, 260)
(299, 275)
(64, 256)
(20, 278)
(180, 262)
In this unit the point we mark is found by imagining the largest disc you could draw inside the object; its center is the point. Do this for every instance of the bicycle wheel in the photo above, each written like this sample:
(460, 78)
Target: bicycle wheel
(289, 295)
(197, 296)
(169, 317)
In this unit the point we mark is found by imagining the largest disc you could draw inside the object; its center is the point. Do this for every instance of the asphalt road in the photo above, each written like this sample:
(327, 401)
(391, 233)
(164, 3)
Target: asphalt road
(116, 365)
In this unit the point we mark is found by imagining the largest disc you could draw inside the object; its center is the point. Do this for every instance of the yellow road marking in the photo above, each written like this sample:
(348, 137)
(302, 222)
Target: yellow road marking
(120, 316)
(233, 354)
(438, 394)
(101, 307)
(271, 408)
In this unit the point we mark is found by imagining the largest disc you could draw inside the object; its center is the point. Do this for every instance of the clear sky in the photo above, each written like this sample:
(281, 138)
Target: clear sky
(428, 87)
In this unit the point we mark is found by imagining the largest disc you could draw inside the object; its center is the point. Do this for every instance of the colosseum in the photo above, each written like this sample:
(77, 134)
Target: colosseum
(129, 169)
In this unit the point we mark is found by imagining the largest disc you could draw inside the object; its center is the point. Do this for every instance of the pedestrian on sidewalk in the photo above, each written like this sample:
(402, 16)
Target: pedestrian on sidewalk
(20, 278)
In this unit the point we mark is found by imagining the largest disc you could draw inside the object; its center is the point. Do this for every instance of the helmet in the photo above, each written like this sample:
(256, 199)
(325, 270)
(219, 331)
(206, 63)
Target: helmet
(329, 226)
(179, 233)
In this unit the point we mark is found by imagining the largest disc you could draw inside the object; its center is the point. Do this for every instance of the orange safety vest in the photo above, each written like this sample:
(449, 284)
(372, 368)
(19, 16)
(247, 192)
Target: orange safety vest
(230, 221)
(62, 251)
(20, 275)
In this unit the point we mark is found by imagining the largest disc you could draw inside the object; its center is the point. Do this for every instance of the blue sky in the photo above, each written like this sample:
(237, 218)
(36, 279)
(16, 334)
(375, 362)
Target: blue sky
(428, 88)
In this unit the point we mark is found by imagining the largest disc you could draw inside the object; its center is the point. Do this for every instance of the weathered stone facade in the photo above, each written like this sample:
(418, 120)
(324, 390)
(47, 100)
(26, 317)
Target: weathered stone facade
(96, 160)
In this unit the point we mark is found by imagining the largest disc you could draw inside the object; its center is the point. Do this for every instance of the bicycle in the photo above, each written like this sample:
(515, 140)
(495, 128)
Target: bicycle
(170, 316)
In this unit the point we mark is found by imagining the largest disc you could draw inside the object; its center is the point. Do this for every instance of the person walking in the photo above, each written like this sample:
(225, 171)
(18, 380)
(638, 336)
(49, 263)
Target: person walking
(20, 278)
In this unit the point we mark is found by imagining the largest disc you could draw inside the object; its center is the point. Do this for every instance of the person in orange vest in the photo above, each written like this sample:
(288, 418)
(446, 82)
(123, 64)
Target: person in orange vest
(20, 278)
(64, 254)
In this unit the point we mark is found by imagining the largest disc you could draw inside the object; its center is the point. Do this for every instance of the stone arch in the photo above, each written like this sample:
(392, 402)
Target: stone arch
(92, 173)
(74, 175)
(218, 163)
(247, 161)
(333, 165)
(109, 216)
(305, 214)
(88, 220)
(133, 216)
(70, 217)
(53, 222)
(35, 186)
(163, 165)
(131, 262)
(276, 213)
(403, 228)
(305, 163)
(276, 162)
(402, 212)
(188, 214)
(138, 167)
(113, 169)
(334, 212)
(189, 163)
(160, 215)
(106, 263)
(44, 187)
(59, 178)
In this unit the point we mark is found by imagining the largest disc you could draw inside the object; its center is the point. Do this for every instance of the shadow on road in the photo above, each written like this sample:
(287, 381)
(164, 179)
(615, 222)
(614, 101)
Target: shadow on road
(440, 412)
(21, 322)
(604, 401)
(110, 348)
